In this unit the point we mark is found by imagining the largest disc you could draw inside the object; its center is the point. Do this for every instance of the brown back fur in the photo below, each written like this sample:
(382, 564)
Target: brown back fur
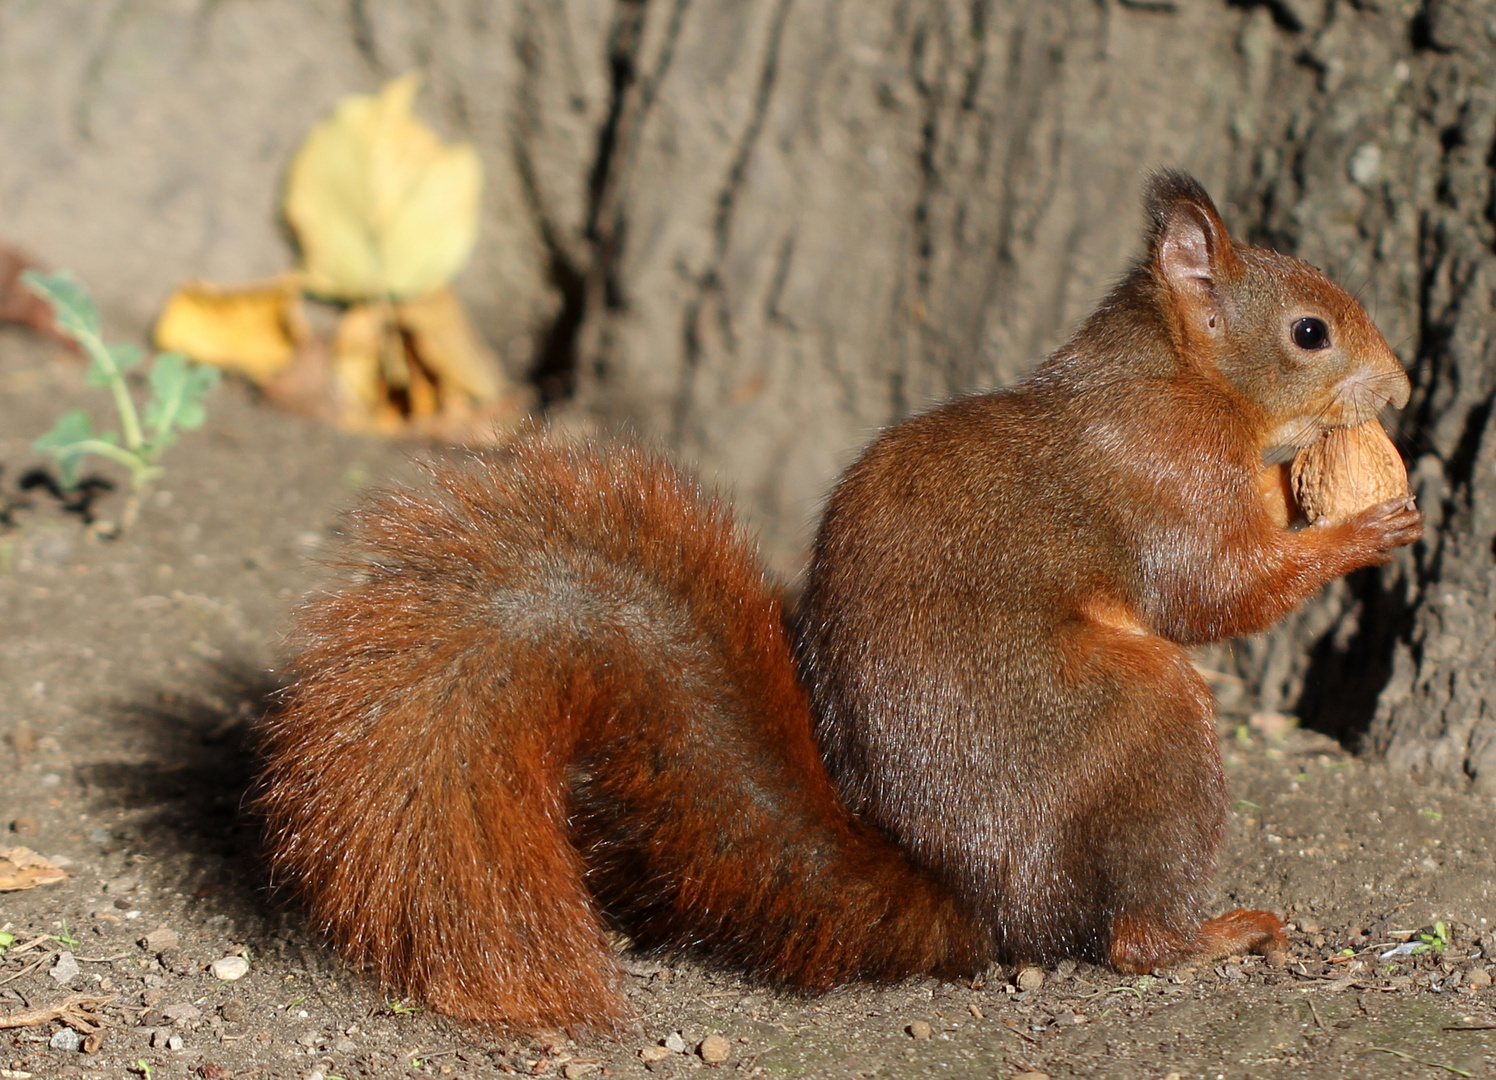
(1001, 590)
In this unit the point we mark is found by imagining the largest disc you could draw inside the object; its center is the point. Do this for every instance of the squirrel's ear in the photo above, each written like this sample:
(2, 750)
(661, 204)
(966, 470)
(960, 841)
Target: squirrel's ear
(1188, 248)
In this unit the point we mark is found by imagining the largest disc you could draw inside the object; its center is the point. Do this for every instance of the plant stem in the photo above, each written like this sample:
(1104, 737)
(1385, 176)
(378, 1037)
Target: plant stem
(129, 418)
(141, 471)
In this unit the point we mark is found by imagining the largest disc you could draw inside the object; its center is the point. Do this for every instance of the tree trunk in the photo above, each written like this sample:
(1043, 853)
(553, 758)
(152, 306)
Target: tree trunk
(1378, 166)
(757, 230)
(822, 217)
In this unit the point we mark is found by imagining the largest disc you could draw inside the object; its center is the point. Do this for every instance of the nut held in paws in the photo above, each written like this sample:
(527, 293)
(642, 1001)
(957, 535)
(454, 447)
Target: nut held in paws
(1346, 471)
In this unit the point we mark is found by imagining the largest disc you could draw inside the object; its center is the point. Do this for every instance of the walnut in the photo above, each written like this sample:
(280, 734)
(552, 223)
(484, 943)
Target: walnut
(1346, 471)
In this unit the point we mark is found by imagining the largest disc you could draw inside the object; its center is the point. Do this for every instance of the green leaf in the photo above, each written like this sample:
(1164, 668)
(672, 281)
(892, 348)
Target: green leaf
(77, 316)
(74, 426)
(200, 380)
(177, 389)
(66, 443)
(69, 465)
(124, 357)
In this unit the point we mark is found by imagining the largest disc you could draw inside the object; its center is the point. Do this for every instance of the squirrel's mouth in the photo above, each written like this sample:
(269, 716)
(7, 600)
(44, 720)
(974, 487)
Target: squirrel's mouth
(1360, 396)
(1355, 400)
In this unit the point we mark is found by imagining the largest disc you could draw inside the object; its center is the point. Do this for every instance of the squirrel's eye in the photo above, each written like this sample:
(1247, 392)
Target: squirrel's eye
(1311, 334)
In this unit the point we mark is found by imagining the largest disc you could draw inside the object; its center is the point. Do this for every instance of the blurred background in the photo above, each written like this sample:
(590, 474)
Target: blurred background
(755, 231)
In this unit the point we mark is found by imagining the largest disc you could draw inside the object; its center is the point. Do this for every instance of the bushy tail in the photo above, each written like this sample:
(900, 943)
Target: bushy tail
(555, 689)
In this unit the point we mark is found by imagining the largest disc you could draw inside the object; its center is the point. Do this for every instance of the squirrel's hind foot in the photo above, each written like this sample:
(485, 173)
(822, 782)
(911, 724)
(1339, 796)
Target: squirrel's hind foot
(1139, 947)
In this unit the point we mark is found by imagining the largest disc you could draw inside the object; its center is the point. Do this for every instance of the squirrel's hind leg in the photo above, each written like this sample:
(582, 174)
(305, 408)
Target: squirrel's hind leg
(1165, 811)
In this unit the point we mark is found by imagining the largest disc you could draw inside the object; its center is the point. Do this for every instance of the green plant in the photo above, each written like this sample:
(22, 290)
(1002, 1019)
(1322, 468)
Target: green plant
(65, 937)
(175, 405)
(6, 941)
(1439, 939)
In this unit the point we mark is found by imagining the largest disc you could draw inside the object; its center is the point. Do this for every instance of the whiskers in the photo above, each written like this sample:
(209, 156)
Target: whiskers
(1361, 396)
(1305, 430)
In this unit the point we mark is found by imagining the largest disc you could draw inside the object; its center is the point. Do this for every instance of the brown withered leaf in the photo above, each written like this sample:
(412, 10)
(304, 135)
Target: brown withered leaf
(22, 868)
(446, 344)
(416, 369)
(19, 304)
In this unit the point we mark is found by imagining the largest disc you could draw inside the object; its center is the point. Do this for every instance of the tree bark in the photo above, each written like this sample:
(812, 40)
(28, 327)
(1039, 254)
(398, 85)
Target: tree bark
(757, 230)
(1377, 164)
(830, 215)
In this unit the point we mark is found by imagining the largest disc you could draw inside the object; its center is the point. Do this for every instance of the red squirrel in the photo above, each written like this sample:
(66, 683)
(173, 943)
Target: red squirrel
(556, 693)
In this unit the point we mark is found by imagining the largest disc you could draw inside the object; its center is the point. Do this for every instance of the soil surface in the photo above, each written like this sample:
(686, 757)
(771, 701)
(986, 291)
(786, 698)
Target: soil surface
(131, 671)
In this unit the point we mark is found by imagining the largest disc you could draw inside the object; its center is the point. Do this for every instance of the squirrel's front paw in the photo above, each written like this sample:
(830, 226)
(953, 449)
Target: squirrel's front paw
(1381, 529)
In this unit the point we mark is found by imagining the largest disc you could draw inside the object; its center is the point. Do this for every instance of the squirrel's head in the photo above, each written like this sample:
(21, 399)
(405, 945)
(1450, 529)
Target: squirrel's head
(1288, 339)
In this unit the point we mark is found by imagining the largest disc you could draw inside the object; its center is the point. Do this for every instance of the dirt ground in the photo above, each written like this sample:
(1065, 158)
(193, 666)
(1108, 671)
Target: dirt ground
(131, 670)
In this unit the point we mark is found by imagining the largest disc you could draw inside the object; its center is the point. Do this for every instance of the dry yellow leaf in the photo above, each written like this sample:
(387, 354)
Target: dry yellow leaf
(240, 328)
(381, 206)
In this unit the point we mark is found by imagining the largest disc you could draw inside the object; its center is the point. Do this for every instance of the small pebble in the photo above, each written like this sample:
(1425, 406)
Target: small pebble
(919, 1029)
(161, 938)
(65, 970)
(160, 1037)
(25, 825)
(232, 1010)
(345, 1046)
(66, 1039)
(23, 742)
(976, 1010)
(714, 1049)
(182, 1013)
(674, 1043)
(1030, 978)
(175, 1043)
(654, 1053)
(574, 1069)
(1031, 1076)
(1479, 978)
(229, 968)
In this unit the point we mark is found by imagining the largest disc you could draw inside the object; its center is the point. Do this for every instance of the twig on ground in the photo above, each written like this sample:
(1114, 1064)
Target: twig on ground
(1416, 1061)
(79, 1011)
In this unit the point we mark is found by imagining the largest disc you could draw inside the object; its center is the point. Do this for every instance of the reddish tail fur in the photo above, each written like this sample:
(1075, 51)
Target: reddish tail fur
(557, 692)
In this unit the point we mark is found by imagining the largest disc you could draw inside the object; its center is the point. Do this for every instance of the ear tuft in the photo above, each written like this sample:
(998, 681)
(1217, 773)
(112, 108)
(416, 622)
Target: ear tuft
(1188, 247)
(1164, 192)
